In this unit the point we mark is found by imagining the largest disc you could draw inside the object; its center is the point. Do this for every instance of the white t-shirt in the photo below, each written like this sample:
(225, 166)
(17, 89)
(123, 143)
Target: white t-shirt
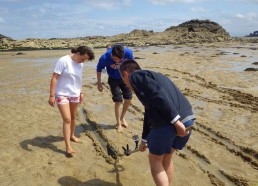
(69, 82)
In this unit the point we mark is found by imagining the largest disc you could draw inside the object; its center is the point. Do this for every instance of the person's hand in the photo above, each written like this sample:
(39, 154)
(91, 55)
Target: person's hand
(81, 98)
(100, 87)
(180, 129)
(51, 101)
(143, 146)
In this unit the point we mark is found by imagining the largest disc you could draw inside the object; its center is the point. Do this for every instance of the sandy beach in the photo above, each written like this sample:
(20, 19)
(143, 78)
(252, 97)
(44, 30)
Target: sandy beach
(223, 149)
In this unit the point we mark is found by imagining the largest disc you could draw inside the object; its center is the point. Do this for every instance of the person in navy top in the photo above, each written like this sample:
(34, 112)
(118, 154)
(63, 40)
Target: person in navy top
(111, 60)
(168, 117)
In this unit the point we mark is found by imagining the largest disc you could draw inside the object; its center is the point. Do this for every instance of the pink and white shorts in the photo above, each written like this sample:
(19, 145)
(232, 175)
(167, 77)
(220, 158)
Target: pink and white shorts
(60, 100)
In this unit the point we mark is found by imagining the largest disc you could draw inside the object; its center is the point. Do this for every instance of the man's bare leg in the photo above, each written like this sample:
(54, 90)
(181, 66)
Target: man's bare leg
(126, 105)
(168, 165)
(118, 121)
(157, 170)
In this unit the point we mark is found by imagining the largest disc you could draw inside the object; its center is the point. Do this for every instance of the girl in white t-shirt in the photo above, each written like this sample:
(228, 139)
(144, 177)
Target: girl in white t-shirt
(66, 90)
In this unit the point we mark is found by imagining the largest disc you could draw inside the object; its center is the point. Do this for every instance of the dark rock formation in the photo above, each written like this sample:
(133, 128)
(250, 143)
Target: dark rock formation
(137, 32)
(251, 69)
(254, 34)
(201, 26)
(202, 30)
(2, 36)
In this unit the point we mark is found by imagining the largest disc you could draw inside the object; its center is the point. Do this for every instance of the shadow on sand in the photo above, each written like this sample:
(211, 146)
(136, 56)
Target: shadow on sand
(47, 141)
(71, 181)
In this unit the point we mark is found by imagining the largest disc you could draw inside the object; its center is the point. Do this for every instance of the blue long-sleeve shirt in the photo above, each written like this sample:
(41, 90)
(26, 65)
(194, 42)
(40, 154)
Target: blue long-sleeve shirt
(164, 103)
(106, 61)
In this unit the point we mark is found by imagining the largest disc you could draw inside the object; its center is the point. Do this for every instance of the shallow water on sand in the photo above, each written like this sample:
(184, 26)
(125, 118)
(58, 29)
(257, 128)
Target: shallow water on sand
(238, 58)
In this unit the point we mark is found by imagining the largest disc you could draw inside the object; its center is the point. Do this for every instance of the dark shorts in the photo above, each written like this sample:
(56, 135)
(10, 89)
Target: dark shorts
(161, 140)
(119, 89)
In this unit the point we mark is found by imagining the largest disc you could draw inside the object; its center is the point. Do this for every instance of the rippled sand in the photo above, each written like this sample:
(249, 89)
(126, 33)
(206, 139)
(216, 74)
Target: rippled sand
(223, 149)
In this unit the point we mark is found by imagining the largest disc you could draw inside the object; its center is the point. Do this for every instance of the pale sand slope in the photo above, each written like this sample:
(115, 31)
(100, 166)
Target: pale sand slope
(223, 149)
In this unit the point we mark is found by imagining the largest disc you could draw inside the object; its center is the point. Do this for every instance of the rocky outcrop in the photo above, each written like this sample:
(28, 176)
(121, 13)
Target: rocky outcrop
(254, 34)
(200, 31)
(2, 36)
(202, 26)
(194, 31)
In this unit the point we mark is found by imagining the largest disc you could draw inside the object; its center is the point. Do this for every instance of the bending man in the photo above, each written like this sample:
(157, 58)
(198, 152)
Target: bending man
(167, 114)
(111, 60)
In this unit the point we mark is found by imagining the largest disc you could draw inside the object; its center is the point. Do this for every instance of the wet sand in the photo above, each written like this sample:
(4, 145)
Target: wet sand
(223, 149)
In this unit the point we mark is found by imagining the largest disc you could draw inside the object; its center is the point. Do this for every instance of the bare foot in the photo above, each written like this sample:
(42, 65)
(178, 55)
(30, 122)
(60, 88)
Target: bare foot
(124, 123)
(69, 152)
(75, 139)
(119, 129)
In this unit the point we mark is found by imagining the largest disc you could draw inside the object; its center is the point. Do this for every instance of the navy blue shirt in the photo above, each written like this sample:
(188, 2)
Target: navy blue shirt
(106, 61)
(164, 103)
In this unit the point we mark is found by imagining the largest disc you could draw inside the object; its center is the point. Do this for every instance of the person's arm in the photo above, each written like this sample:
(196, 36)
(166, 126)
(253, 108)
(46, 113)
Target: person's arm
(81, 97)
(100, 67)
(53, 82)
(100, 87)
(145, 131)
(180, 129)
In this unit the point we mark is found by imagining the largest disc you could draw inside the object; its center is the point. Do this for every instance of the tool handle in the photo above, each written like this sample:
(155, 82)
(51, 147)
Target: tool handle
(133, 151)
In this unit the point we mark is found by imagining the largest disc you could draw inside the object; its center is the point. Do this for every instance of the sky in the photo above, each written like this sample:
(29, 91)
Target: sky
(21, 19)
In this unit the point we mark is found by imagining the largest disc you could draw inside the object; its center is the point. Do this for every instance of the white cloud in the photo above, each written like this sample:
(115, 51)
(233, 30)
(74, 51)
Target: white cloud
(42, 10)
(127, 2)
(1, 20)
(105, 5)
(239, 24)
(11, 0)
(245, 1)
(198, 9)
(108, 5)
(240, 16)
(164, 2)
(225, 21)
(250, 16)
(32, 24)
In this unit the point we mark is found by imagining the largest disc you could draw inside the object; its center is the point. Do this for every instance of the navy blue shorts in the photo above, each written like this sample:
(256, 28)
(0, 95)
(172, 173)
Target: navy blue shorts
(161, 140)
(119, 89)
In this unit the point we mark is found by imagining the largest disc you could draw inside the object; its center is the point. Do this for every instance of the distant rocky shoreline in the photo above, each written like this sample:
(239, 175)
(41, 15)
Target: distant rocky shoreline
(190, 32)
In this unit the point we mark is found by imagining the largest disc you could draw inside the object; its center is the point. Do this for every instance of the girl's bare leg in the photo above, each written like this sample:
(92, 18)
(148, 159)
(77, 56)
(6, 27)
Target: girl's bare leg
(66, 115)
(73, 111)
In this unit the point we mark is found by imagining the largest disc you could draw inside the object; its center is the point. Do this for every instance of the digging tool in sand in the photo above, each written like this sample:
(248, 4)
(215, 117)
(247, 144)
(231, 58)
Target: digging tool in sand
(127, 150)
